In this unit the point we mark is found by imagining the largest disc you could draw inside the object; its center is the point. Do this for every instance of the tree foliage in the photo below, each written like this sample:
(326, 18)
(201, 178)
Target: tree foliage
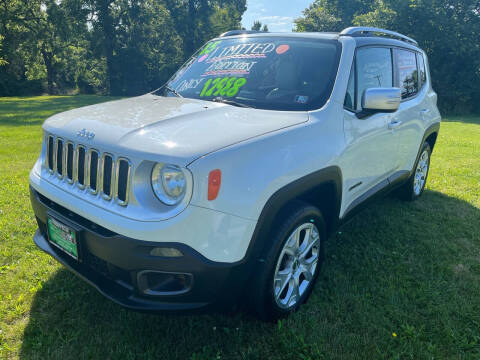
(2, 60)
(120, 47)
(257, 26)
(448, 30)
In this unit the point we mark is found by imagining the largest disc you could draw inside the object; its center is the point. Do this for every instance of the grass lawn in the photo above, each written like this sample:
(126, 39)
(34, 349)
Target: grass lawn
(401, 281)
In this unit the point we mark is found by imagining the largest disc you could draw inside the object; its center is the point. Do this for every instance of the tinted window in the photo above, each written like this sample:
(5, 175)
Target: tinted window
(421, 67)
(406, 64)
(374, 70)
(350, 96)
(262, 72)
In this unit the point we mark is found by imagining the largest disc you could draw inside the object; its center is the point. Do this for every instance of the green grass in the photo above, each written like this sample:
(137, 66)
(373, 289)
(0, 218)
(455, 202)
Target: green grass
(412, 269)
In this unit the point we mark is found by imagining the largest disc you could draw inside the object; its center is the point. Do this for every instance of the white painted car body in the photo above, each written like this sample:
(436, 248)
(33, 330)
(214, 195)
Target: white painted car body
(258, 152)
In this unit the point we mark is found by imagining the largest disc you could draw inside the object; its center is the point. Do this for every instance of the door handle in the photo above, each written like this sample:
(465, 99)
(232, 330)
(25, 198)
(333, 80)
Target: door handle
(394, 124)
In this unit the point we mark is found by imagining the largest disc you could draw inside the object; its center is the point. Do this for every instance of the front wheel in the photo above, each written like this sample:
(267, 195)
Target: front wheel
(291, 264)
(416, 184)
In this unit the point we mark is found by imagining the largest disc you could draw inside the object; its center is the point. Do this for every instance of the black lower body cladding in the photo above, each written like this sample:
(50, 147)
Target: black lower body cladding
(124, 270)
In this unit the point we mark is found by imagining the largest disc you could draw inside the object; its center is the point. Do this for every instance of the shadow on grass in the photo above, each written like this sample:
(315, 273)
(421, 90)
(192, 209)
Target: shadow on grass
(404, 267)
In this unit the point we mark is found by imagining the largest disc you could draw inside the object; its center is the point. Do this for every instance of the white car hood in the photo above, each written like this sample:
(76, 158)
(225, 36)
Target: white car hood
(172, 129)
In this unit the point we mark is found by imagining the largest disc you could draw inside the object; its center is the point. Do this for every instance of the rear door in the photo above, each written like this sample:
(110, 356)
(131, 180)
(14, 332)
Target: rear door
(410, 76)
(371, 153)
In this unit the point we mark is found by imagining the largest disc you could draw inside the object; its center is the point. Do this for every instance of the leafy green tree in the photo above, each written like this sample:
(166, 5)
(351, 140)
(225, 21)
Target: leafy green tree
(38, 31)
(257, 25)
(55, 34)
(196, 21)
(149, 49)
(3, 62)
(121, 47)
(224, 18)
(14, 33)
(331, 15)
(101, 14)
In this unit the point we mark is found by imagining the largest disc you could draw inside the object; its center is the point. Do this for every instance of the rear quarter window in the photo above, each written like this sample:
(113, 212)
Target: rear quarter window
(422, 76)
(407, 74)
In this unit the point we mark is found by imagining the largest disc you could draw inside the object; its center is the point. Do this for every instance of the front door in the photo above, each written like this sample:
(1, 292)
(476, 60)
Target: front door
(371, 155)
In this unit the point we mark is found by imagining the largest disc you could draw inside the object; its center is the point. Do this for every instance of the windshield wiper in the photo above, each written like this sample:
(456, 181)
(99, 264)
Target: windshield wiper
(173, 91)
(231, 102)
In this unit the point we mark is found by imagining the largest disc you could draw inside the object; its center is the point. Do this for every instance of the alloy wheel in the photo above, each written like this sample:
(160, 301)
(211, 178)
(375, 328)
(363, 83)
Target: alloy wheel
(421, 173)
(296, 265)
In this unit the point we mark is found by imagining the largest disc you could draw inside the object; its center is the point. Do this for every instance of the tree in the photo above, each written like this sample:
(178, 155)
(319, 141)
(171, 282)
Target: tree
(121, 47)
(3, 62)
(257, 25)
(13, 52)
(197, 21)
(54, 30)
(148, 47)
(39, 30)
(224, 18)
(331, 15)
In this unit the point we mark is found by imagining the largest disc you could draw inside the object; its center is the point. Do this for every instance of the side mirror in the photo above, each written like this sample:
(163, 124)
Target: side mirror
(381, 99)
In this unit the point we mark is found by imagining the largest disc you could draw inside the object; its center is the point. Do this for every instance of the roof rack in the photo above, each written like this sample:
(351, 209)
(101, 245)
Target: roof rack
(240, 32)
(371, 31)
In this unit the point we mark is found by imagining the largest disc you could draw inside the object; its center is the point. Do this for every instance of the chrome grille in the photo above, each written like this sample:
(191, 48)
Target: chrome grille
(123, 183)
(50, 153)
(93, 171)
(89, 168)
(107, 168)
(70, 159)
(81, 166)
(59, 158)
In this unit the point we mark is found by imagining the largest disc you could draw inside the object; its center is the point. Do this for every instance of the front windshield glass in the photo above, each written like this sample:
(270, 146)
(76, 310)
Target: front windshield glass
(278, 73)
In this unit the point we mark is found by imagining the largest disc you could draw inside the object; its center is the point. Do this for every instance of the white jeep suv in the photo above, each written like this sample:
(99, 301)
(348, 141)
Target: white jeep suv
(229, 179)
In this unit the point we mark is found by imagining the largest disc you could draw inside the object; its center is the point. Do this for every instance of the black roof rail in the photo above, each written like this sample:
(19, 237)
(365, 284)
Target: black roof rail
(371, 31)
(240, 32)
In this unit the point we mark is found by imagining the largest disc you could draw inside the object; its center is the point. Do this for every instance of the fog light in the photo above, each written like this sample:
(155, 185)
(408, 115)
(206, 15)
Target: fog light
(166, 252)
(156, 283)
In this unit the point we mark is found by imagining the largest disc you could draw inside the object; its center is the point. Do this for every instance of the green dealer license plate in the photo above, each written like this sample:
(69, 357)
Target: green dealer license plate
(63, 237)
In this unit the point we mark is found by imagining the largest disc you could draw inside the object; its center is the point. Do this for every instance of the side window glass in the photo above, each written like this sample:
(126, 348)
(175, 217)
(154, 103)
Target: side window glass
(421, 68)
(406, 64)
(349, 102)
(374, 70)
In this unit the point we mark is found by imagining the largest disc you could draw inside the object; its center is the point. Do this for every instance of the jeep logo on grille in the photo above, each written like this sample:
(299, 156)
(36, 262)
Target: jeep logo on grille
(86, 134)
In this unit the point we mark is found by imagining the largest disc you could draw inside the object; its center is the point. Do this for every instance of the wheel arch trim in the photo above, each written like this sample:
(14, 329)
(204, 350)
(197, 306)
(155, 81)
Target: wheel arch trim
(330, 176)
(433, 129)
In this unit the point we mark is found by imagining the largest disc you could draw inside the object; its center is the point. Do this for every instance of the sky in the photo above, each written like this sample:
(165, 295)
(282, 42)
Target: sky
(277, 14)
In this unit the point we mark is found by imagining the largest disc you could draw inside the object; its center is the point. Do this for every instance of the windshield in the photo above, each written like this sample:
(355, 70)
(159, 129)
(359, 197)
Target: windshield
(262, 72)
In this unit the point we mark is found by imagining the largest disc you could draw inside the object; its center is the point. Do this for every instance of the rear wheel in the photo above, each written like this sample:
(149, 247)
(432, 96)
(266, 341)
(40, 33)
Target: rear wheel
(416, 184)
(292, 263)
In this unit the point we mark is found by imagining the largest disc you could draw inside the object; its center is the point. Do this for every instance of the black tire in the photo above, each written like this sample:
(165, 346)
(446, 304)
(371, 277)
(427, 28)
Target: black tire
(407, 191)
(262, 291)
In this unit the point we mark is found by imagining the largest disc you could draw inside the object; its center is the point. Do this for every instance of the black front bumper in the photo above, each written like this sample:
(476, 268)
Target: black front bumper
(112, 264)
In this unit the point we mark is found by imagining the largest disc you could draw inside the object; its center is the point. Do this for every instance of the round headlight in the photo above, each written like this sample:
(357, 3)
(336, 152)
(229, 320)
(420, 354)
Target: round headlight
(169, 183)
